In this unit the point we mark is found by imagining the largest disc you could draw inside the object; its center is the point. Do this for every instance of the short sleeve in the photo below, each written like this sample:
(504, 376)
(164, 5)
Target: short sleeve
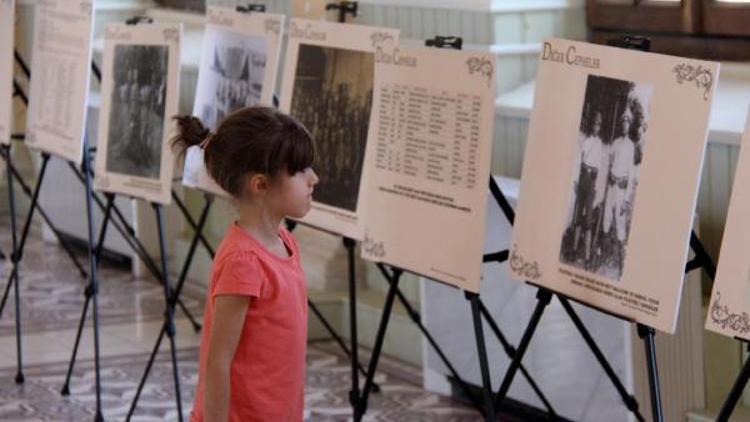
(241, 274)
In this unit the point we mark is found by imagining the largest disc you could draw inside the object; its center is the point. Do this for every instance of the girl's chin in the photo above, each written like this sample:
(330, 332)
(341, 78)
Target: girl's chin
(299, 213)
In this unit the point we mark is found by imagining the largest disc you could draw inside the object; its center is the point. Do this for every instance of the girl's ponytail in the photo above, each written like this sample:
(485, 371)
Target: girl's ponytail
(190, 132)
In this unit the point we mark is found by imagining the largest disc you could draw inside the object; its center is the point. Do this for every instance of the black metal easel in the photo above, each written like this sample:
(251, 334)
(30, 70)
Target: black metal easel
(15, 260)
(91, 291)
(18, 251)
(735, 394)
(18, 92)
(478, 312)
(701, 260)
(544, 296)
(344, 8)
(121, 224)
(168, 327)
(140, 250)
(95, 249)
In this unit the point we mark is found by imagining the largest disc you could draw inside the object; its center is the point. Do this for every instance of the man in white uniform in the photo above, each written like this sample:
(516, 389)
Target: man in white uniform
(590, 187)
(621, 168)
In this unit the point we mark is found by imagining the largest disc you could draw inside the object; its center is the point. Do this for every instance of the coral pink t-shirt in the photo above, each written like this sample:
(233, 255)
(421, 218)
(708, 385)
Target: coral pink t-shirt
(267, 376)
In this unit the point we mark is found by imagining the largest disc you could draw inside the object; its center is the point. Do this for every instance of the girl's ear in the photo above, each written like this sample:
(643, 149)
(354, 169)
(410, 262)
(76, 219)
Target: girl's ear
(257, 184)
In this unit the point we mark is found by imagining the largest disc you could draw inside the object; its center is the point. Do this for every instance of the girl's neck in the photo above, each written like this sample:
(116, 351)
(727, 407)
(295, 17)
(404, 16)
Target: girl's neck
(261, 223)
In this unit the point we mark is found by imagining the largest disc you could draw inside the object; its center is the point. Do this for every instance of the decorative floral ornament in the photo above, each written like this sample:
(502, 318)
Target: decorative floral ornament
(702, 77)
(722, 316)
(528, 270)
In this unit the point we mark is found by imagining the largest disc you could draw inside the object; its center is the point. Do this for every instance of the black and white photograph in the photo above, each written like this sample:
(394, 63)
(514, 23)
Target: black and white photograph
(232, 75)
(610, 177)
(332, 97)
(238, 68)
(612, 135)
(140, 80)
(136, 120)
(328, 80)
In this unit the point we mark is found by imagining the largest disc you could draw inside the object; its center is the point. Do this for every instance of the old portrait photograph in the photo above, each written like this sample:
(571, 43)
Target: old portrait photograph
(136, 119)
(140, 89)
(332, 97)
(611, 139)
(231, 76)
(328, 78)
(610, 177)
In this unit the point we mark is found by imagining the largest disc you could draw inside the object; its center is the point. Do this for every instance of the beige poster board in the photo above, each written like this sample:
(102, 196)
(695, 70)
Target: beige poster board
(610, 177)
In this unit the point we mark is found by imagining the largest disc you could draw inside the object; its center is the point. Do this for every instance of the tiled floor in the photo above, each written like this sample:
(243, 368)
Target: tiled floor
(131, 316)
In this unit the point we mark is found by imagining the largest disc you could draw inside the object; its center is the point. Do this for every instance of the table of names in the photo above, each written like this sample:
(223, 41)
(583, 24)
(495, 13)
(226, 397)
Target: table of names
(430, 134)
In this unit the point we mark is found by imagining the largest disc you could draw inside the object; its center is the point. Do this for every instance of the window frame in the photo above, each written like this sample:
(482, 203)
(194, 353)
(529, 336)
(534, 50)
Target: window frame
(645, 16)
(726, 18)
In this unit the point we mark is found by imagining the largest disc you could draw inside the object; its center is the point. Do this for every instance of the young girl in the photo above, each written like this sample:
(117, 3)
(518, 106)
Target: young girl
(252, 354)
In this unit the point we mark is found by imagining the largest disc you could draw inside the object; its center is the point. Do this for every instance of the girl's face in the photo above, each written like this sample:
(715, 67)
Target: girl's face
(292, 194)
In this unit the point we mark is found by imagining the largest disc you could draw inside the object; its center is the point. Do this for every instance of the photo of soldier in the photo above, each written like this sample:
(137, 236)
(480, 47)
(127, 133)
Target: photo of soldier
(136, 120)
(612, 136)
(332, 97)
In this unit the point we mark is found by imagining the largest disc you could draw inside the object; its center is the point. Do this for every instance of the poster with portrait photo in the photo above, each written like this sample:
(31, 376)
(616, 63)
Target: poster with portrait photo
(7, 28)
(610, 177)
(612, 136)
(239, 64)
(140, 71)
(59, 85)
(429, 162)
(729, 307)
(328, 86)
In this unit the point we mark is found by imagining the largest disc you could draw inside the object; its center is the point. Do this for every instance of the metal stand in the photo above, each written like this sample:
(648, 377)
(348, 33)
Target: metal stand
(93, 275)
(361, 407)
(89, 292)
(544, 297)
(171, 300)
(484, 368)
(15, 259)
(18, 253)
(128, 233)
(38, 208)
(18, 92)
(18, 250)
(350, 245)
(344, 8)
(736, 393)
(487, 408)
(647, 334)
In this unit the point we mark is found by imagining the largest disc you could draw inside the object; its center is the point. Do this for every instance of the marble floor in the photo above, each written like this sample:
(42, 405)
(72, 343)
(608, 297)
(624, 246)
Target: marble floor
(130, 310)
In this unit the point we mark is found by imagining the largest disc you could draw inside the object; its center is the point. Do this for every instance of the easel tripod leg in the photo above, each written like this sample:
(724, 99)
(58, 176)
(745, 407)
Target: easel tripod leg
(736, 393)
(361, 407)
(510, 351)
(543, 299)
(169, 300)
(15, 262)
(93, 274)
(489, 403)
(647, 334)
(88, 294)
